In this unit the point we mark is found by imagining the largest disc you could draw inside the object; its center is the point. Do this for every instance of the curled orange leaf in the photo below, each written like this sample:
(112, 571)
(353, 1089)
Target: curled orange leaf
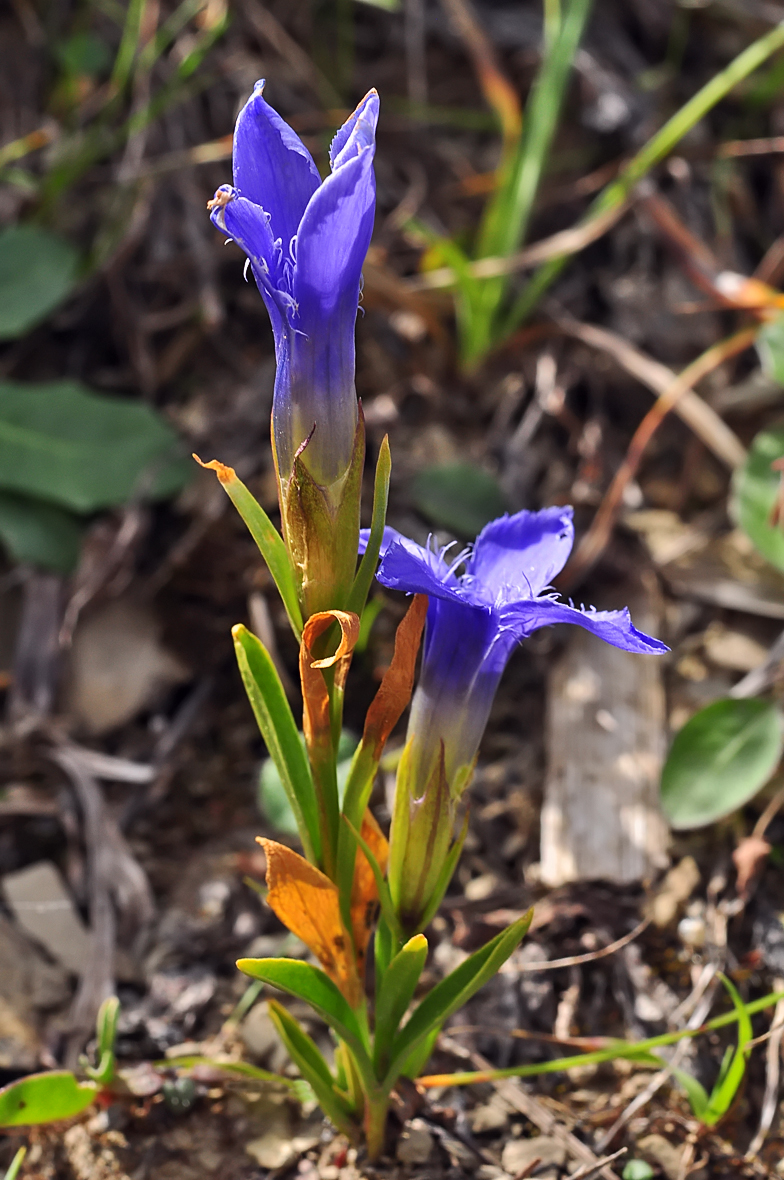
(225, 474)
(315, 722)
(307, 902)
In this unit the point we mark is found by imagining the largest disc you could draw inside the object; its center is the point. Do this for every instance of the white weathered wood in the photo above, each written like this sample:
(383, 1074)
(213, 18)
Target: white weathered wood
(605, 744)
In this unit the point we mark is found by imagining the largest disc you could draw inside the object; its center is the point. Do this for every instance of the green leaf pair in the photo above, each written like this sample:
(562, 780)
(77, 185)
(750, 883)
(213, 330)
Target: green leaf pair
(709, 1109)
(398, 1046)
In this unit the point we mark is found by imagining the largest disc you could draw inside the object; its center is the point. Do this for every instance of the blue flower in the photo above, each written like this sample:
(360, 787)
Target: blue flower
(306, 240)
(475, 620)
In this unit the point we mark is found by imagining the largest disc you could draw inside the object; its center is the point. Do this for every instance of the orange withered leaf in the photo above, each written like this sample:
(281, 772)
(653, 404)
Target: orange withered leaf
(315, 721)
(394, 692)
(307, 902)
(364, 891)
(225, 474)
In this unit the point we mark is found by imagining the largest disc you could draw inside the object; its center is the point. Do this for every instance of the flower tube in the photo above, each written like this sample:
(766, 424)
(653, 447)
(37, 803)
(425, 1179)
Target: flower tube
(475, 619)
(306, 240)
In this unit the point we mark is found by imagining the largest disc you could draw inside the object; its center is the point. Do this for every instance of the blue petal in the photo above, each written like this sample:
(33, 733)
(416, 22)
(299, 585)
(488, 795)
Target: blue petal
(408, 567)
(389, 536)
(333, 240)
(249, 226)
(613, 626)
(518, 556)
(272, 166)
(357, 132)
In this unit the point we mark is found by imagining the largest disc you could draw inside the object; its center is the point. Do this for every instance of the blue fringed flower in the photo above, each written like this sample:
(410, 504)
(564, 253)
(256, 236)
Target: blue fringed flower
(306, 240)
(477, 617)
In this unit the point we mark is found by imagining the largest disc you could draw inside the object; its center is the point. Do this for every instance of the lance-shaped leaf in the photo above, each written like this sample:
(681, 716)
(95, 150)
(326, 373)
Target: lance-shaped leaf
(279, 730)
(307, 902)
(311, 1064)
(453, 992)
(367, 566)
(44, 1098)
(395, 992)
(734, 1064)
(310, 984)
(317, 717)
(266, 536)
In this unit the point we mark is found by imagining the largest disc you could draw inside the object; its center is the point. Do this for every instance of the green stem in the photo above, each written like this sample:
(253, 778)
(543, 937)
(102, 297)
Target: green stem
(621, 1049)
(376, 1107)
(655, 150)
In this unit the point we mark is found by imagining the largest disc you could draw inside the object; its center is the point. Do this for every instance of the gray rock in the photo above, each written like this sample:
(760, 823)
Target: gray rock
(519, 1153)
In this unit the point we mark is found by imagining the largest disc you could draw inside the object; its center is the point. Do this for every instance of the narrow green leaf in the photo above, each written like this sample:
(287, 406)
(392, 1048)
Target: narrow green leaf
(460, 497)
(719, 760)
(367, 566)
(447, 872)
(695, 1092)
(310, 984)
(385, 900)
(44, 1098)
(395, 993)
(84, 451)
(16, 1164)
(770, 346)
(418, 1058)
(240, 1069)
(271, 546)
(311, 1064)
(455, 991)
(650, 154)
(755, 491)
(279, 730)
(37, 272)
(734, 1065)
(38, 533)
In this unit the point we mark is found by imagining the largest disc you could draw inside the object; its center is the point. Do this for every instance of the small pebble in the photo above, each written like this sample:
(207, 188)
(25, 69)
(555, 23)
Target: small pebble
(415, 1144)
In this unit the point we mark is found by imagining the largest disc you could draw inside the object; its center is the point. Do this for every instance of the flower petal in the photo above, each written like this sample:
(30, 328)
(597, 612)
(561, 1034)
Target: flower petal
(357, 132)
(333, 240)
(613, 626)
(389, 536)
(517, 556)
(249, 226)
(409, 567)
(272, 166)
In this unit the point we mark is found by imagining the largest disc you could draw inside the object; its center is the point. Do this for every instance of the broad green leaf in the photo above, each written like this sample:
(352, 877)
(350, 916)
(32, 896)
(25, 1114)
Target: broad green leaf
(770, 346)
(37, 272)
(719, 760)
(44, 1098)
(61, 442)
(279, 730)
(34, 532)
(310, 984)
(311, 1064)
(453, 992)
(755, 490)
(16, 1164)
(637, 1170)
(395, 992)
(459, 497)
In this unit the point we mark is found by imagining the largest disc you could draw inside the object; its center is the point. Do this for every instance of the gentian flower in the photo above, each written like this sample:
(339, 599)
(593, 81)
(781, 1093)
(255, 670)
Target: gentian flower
(306, 240)
(475, 620)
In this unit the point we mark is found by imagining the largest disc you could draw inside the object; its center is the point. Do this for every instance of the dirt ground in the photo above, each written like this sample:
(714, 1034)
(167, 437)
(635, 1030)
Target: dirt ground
(129, 758)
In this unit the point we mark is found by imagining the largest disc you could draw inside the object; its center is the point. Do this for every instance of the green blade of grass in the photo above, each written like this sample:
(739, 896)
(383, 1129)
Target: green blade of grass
(652, 153)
